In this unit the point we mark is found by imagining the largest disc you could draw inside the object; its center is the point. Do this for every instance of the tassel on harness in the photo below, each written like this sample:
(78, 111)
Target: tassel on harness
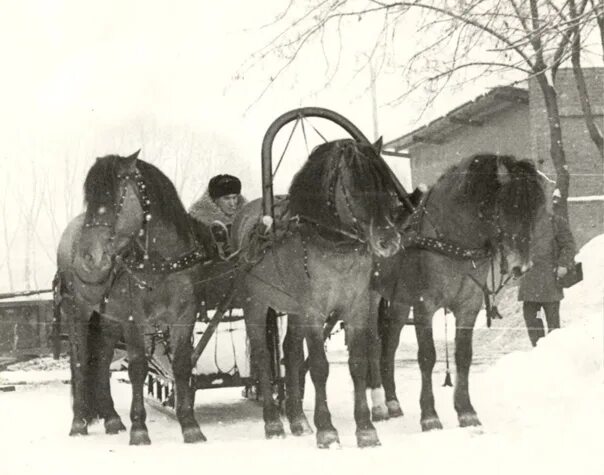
(448, 381)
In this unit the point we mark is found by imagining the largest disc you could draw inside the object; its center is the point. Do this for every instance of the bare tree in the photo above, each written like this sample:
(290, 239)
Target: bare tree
(576, 26)
(598, 7)
(9, 240)
(457, 41)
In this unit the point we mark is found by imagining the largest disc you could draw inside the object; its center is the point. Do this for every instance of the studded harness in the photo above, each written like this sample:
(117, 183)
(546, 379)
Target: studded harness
(412, 238)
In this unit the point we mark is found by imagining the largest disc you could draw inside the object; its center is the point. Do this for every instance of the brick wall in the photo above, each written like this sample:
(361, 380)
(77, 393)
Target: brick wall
(585, 165)
(523, 131)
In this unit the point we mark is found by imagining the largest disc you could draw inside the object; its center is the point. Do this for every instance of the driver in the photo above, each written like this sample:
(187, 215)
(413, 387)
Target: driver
(218, 205)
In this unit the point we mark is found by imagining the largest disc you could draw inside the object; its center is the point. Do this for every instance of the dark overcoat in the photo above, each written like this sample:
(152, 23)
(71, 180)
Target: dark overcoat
(553, 247)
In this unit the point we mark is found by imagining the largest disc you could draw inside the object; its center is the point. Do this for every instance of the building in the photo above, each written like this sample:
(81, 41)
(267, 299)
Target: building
(512, 120)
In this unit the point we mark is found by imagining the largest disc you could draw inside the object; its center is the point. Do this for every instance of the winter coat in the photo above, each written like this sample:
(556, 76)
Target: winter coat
(553, 247)
(206, 211)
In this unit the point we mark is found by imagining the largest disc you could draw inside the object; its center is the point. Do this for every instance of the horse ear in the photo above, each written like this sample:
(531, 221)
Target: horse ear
(377, 146)
(503, 174)
(130, 162)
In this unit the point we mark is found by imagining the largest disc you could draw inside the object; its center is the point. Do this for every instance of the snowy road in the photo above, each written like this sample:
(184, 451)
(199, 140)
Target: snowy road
(542, 411)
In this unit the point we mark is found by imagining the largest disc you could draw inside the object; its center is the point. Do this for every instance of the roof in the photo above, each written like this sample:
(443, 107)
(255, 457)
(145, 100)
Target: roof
(473, 113)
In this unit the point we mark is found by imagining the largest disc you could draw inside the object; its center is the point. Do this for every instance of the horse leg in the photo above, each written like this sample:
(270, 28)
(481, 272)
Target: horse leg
(109, 335)
(182, 367)
(327, 435)
(91, 369)
(463, 359)
(137, 371)
(379, 411)
(358, 361)
(293, 350)
(426, 356)
(77, 321)
(390, 324)
(255, 324)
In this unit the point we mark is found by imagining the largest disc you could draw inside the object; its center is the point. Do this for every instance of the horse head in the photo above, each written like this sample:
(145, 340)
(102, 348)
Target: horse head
(117, 210)
(345, 188)
(510, 197)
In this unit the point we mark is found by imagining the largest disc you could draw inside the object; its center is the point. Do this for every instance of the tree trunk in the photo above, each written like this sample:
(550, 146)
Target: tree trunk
(556, 145)
(594, 131)
(599, 8)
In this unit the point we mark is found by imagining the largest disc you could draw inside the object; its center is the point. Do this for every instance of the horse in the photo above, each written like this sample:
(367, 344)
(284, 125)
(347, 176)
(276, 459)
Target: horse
(481, 209)
(135, 259)
(315, 260)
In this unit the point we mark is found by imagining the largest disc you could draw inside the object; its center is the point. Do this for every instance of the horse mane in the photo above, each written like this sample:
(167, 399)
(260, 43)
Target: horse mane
(101, 189)
(312, 186)
(500, 184)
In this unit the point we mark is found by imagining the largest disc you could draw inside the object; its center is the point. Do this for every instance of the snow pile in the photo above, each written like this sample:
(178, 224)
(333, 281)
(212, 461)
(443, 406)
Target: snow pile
(552, 395)
(566, 359)
(45, 363)
(587, 297)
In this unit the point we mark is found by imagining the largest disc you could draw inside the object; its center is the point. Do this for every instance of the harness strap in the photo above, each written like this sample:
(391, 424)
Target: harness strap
(190, 259)
(447, 248)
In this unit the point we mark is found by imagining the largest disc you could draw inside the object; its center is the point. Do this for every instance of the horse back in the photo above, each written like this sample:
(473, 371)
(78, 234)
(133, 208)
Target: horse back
(250, 215)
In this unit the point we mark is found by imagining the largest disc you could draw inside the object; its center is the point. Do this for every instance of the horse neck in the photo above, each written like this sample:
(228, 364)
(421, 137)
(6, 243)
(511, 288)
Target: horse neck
(454, 220)
(163, 239)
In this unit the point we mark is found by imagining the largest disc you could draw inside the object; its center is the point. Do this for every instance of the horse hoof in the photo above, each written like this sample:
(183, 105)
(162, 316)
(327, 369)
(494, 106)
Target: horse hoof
(433, 423)
(300, 427)
(193, 435)
(394, 409)
(114, 425)
(469, 420)
(273, 430)
(367, 438)
(327, 439)
(78, 428)
(139, 437)
(379, 413)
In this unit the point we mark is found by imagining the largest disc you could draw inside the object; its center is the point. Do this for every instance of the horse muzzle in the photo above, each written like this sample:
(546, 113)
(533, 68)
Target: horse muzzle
(91, 269)
(386, 246)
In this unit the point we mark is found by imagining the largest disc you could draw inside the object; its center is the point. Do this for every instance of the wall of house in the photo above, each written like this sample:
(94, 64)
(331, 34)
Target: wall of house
(586, 220)
(585, 164)
(507, 132)
(523, 131)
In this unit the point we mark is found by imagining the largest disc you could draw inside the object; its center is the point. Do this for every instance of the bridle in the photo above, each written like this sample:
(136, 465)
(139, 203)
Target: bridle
(127, 258)
(124, 179)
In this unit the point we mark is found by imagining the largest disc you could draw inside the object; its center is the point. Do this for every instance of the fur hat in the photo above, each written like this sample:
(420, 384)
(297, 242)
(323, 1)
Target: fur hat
(222, 185)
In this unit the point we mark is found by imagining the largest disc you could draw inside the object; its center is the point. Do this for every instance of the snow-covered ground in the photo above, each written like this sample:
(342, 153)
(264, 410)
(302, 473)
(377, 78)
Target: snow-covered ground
(542, 411)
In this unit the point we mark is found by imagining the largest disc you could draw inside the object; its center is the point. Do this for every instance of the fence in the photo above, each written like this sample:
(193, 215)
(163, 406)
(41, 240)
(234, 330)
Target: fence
(28, 327)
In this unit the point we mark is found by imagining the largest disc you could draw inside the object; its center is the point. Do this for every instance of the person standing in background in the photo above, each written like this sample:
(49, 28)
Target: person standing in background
(553, 257)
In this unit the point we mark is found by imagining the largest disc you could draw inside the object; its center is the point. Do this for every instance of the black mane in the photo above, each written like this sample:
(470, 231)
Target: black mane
(516, 198)
(101, 188)
(310, 189)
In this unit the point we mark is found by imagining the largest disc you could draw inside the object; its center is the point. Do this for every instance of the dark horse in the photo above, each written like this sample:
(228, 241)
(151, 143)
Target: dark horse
(316, 262)
(134, 258)
(482, 208)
